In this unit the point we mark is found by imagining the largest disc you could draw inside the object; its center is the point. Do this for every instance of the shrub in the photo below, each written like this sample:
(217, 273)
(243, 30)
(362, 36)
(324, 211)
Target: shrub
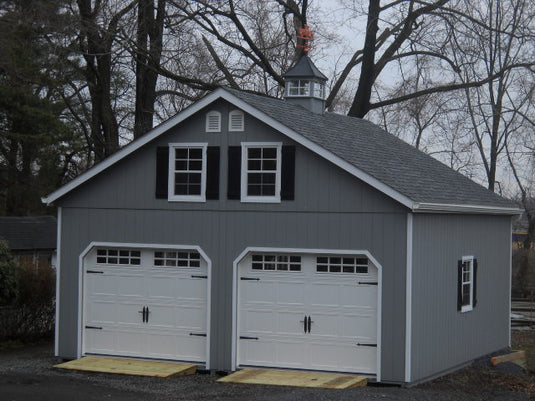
(28, 310)
(8, 276)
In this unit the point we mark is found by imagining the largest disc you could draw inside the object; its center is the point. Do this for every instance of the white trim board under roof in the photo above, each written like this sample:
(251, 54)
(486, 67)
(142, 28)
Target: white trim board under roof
(222, 93)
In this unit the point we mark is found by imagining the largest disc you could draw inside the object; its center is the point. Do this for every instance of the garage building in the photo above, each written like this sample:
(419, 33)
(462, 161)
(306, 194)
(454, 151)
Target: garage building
(254, 231)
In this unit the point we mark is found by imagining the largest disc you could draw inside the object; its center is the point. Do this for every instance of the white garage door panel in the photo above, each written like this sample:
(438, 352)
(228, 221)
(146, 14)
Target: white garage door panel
(115, 295)
(342, 310)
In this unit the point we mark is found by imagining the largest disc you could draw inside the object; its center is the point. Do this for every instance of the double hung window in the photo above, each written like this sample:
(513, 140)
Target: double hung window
(187, 178)
(261, 172)
(466, 284)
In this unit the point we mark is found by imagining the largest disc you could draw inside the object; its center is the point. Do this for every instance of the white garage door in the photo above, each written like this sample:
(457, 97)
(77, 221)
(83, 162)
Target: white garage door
(149, 303)
(308, 312)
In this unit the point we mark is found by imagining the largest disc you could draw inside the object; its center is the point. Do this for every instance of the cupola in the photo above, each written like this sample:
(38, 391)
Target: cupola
(305, 85)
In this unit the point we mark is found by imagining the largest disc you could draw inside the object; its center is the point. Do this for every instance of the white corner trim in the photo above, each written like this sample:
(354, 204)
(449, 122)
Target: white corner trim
(81, 295)
(510, 275)
(58, 281)
(408, 301)
(248, 250)
(455, 208)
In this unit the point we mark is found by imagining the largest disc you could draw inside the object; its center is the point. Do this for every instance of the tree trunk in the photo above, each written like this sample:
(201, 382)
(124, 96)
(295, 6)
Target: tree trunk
(148, 55)
(361, 102)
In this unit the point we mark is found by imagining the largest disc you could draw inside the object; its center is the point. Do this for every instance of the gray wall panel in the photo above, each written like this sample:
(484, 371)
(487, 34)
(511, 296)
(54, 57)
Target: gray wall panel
(442, 337)
(223, 236)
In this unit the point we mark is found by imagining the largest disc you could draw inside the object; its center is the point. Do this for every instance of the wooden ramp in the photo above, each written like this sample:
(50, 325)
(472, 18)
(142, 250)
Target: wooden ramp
(296, 379)
(129, 366)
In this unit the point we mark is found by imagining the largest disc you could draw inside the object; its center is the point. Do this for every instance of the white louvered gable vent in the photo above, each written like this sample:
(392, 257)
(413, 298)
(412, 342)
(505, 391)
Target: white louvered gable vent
(213, 121)
(235, 120)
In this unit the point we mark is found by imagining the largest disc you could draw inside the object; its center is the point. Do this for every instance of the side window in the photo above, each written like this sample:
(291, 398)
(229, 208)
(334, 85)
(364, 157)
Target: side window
(236, 121)
(187, 172)
(261, 172)
(213, 121)
(466, 283)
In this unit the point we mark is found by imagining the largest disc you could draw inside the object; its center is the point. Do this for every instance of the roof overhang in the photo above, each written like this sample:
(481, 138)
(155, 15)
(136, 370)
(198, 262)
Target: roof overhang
(221, 93)
(453, 208)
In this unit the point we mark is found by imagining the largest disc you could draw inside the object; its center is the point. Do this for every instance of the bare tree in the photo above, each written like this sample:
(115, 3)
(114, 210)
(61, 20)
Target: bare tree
(99, 29)
(148, 51)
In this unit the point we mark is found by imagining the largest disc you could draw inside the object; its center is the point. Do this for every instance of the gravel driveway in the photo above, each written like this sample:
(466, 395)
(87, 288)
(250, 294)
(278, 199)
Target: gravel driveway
(27, 374)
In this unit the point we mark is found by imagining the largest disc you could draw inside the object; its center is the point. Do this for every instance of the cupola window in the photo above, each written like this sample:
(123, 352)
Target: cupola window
(298, 87)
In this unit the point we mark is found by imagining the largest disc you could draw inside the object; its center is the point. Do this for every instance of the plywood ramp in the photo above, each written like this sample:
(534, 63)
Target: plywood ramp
(296, 379)
(129, 366)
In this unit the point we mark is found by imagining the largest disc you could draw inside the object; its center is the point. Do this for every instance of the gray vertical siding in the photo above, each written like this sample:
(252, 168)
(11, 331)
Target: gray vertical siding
(442, 337)
(331, 210)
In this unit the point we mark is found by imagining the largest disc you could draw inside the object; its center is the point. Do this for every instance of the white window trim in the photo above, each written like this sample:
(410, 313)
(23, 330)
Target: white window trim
(207, 124)
(469, 307)
(171, 182)
(260, 199)
(236, 113)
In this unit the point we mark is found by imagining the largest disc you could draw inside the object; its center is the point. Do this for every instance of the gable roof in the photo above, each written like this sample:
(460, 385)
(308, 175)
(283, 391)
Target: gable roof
(380, 159)
(32, 232)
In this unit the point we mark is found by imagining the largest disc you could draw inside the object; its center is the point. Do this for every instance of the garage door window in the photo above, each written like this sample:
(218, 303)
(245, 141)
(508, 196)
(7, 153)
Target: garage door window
(276, 262)
(342, 264)
(182, 259)
(110, 256)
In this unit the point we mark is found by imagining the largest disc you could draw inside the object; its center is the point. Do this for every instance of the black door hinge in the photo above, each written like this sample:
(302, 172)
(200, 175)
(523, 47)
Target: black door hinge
(366, 345)
(94, 272)
(368, 283)
(248, 338)
(198, 276)
(250, 278)
(93, 327)
(198, 334)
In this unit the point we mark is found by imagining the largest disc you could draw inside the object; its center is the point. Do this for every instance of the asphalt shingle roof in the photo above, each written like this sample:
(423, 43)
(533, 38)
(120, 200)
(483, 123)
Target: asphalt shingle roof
(32, 232)
(383, 156)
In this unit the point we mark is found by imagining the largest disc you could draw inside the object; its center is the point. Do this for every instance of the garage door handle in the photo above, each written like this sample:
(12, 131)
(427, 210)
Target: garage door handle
(304, 321)
(143, 312)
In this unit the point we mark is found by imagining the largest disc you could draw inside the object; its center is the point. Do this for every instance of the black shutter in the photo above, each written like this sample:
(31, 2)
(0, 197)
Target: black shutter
(459, 285)
(162, 171)
(288, 173)
(212, 172)
(234, 172)
(474, 284)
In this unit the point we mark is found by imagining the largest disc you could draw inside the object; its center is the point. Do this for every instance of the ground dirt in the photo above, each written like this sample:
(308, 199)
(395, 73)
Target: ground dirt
(27, 373)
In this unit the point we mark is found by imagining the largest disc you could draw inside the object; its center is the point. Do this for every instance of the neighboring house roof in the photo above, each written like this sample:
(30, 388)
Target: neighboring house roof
(27, 233)
(380, 159)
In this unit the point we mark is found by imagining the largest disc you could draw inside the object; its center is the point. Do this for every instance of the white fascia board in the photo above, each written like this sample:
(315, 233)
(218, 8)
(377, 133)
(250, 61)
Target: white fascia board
(133, 146)
(453, 208)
